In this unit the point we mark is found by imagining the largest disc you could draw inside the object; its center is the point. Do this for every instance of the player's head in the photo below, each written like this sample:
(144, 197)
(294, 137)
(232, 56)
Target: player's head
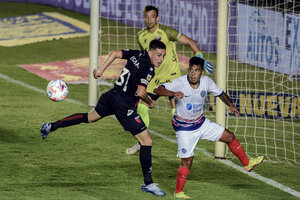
(157, 52)
(150, 16)
(195, 70)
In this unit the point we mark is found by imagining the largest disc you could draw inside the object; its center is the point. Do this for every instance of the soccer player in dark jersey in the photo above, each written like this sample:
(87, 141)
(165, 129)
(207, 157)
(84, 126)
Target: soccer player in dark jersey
(122, 101)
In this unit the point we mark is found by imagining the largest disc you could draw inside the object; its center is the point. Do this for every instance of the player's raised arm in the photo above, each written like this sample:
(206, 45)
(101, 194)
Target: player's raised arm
(109, 59)
(189, 42)
(162, 91)
(208, 67)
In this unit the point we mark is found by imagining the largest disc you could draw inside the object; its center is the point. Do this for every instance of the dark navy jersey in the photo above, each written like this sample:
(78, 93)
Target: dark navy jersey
(138, 71)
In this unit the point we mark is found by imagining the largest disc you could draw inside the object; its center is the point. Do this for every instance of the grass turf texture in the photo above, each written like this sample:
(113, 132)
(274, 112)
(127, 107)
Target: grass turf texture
(88, 161)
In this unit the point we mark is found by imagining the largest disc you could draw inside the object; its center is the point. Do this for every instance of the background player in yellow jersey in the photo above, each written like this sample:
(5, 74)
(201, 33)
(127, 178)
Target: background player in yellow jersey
(170, 68)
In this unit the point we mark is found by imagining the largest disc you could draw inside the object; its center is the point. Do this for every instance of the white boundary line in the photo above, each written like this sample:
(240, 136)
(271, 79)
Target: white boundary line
(226, 162)
(36, 89)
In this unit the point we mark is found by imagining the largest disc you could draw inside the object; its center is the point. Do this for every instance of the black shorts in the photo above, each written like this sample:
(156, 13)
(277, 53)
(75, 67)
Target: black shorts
(154, 97)
(111, 103)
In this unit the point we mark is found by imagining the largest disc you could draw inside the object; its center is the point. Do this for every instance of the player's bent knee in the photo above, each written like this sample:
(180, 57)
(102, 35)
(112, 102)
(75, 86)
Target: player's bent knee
(144, 138)
(187, 162)
(227, 136)
(93, 116)
(146, 141)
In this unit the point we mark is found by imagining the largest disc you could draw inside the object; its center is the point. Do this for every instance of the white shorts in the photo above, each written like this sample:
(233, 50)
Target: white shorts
(187, 140)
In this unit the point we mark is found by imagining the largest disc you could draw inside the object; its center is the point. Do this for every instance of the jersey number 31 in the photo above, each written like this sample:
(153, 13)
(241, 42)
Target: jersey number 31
(123, 79)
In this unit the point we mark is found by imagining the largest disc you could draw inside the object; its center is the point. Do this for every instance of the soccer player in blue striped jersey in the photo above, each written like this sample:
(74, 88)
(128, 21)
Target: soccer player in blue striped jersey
(190, 123)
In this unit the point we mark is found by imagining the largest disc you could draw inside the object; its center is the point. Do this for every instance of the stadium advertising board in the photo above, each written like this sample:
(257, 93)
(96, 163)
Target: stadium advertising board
(268, 45)
(265, 105)
(195, 19)
(292, 43)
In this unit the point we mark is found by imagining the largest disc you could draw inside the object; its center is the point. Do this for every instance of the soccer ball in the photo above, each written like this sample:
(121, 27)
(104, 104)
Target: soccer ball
(57, 90)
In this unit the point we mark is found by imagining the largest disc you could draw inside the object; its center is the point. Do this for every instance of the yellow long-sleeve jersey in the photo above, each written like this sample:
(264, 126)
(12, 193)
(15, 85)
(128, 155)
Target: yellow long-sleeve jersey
(169, 69)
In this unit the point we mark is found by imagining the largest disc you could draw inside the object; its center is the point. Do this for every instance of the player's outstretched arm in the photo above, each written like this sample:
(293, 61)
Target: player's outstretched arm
(162, 91)
(226, 99)
(208, 67)
(109, 59)
(189, 42)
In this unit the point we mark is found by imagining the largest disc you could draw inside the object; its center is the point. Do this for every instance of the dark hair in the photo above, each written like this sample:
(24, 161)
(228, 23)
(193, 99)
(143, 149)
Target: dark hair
(156, 44)
(149, 8)
(196, 61)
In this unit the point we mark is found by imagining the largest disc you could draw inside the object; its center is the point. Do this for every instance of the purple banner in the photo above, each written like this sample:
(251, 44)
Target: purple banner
(196, 19)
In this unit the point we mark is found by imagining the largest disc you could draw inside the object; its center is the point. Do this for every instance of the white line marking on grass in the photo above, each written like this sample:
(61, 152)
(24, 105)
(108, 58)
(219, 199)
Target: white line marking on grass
(36, 89)
(226, 162)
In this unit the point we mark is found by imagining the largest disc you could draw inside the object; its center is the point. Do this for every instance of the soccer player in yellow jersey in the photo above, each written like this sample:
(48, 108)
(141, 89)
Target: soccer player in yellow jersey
(170, 68)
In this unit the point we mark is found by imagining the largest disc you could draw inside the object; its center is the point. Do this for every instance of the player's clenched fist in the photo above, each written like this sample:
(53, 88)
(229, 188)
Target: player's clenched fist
(178, 95)
(97, 74)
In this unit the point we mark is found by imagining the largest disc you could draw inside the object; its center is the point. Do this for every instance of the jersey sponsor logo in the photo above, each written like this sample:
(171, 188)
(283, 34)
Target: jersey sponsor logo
(203, 93)
(189, 106)
(158, 38)
(135, 61)
(195, 107)
(174, 56)
(158, 82)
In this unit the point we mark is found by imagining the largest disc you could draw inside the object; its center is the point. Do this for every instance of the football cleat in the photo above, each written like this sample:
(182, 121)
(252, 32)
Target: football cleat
(153, 189)
(45, 130)
(254, 162)
(181, 195)
(133, 149)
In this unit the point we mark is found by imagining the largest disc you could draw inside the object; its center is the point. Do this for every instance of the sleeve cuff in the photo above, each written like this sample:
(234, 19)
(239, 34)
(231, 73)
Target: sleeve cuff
(219, 94)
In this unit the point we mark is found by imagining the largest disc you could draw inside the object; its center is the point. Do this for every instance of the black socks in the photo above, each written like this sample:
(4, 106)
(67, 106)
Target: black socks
(70, 121)
(146, 163)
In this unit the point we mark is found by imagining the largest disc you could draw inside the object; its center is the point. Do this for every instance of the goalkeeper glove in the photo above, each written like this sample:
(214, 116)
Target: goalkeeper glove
(208, 67)
(199, 54)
